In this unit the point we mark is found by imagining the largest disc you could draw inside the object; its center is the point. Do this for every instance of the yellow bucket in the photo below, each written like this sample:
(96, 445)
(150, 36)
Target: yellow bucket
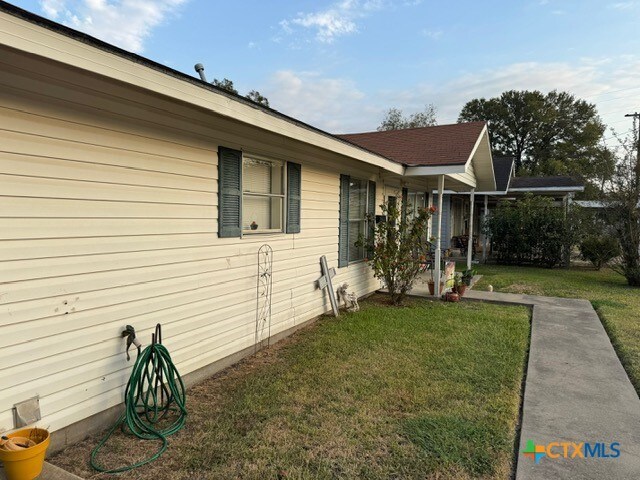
(26, 464)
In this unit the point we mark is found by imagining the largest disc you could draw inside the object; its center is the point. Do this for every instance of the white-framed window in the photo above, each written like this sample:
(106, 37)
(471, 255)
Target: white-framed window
(263, 194)
(257, 195)
(416, 202)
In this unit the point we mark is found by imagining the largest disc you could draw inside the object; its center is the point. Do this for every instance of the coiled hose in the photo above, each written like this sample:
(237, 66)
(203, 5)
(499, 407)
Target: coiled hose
(148, 399)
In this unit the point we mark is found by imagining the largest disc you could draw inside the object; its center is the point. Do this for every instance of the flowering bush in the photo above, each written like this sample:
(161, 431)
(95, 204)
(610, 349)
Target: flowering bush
(394, 250)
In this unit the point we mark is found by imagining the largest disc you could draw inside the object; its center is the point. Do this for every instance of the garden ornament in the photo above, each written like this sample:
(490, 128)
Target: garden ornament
(350, 299)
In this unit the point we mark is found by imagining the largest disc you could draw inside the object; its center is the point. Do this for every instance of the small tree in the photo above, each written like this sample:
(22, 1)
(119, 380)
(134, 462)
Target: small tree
(393, 249)
(599, 249)
(621, 208)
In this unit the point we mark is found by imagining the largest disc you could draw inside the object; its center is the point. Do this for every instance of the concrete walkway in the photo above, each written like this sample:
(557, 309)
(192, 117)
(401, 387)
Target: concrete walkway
(50, 472)
(576, 391)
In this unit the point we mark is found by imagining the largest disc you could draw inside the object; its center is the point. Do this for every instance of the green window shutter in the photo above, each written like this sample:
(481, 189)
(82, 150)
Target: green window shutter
(343, 235)
(405, 200)
(371, 207)
(229, 192)
(294, 191)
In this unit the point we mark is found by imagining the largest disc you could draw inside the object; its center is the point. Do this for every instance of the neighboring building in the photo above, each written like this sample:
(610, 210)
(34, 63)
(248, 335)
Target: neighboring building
(135, 194)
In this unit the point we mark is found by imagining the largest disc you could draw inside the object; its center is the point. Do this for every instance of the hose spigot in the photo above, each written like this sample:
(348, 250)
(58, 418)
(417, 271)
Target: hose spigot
(130, 333)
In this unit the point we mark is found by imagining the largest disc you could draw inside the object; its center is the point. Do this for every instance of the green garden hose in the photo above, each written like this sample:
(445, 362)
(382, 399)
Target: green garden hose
(148, 399)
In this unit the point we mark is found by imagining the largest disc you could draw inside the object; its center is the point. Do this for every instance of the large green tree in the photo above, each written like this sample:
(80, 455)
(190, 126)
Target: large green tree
(394, 119)
(548, 134)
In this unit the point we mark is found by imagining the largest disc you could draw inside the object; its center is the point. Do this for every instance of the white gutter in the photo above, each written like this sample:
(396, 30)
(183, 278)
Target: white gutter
(548, 189)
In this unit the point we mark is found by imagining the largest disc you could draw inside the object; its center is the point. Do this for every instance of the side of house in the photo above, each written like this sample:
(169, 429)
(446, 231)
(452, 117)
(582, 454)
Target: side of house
(134, 194)
(110, 216)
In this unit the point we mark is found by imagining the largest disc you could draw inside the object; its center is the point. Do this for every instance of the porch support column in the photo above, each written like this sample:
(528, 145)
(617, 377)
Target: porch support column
(436, 280)
(470, 245)
(485, 243)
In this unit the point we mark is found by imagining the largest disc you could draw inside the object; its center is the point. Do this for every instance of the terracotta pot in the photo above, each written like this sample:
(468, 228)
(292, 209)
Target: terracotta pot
(461, 289)
(432, 287)
(451, 297)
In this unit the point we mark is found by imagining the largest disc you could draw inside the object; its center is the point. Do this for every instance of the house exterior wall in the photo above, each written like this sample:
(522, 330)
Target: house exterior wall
(109, 217)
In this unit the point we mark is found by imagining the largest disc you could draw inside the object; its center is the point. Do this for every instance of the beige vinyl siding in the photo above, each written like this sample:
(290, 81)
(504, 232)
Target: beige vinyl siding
(108, 217)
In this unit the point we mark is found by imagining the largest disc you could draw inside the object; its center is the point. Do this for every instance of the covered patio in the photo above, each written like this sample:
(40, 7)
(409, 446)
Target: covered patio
(446, 158)
(509, 187)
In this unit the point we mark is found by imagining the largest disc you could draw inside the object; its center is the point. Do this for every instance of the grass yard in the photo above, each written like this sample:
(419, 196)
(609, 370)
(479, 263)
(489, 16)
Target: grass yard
(617, 304)
(430, 390)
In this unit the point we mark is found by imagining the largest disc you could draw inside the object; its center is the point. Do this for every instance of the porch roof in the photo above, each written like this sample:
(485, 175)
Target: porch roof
(461, 151)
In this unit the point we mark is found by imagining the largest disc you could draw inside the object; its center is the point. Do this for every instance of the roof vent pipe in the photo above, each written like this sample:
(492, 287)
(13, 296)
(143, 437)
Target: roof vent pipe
(200, 69)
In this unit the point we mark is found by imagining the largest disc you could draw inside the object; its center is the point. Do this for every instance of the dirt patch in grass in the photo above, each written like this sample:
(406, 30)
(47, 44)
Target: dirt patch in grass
(427, 390)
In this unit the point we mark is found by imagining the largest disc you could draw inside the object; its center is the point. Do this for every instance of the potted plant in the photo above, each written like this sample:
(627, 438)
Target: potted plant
(431, 284)
(451, 297)
(22, 453)
(459, 286)
(467, 276)
(254, 225)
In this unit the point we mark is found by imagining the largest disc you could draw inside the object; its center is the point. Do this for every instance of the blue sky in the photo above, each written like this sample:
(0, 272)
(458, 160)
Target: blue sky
(340, 64)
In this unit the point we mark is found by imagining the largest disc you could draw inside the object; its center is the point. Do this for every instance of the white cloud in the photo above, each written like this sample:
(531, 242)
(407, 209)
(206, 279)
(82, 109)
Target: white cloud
(338, 105)
(125, 23)
(332, 104)
(623, 5)
(336, 21)
(432, 34)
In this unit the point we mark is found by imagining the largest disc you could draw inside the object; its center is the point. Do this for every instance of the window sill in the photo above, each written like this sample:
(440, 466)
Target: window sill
(261, 232)
(356, 262)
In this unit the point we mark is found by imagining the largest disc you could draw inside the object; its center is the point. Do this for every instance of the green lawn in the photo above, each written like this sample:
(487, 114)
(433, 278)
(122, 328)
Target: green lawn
(430, 390)
(617, 304)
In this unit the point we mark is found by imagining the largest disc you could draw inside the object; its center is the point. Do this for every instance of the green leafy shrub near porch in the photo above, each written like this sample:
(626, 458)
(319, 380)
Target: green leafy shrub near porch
(599, 249)
(532, 230)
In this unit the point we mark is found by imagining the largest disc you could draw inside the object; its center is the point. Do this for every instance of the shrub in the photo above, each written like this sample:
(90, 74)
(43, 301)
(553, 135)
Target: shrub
(531, 230)
(599, 249)
(394, 249)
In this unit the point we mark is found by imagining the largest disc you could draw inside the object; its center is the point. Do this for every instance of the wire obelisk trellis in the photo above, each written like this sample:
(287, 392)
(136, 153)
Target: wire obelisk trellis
(263, 296)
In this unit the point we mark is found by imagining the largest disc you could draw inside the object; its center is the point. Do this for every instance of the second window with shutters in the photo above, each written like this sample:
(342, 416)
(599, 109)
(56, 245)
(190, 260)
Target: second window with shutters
(357, 209)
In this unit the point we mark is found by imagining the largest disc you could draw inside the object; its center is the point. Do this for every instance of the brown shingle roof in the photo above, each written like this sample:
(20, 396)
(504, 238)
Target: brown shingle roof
(502, 170)
(439, 145)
